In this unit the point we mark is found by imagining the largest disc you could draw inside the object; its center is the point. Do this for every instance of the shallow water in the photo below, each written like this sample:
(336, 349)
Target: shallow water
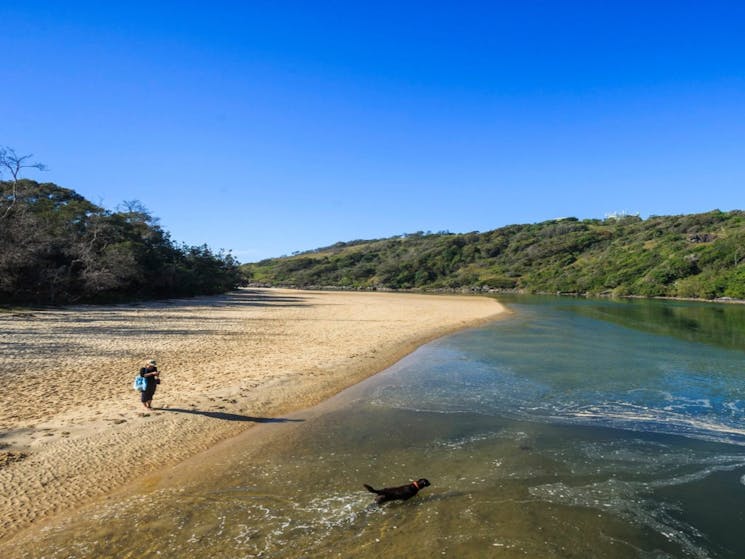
(574, 429)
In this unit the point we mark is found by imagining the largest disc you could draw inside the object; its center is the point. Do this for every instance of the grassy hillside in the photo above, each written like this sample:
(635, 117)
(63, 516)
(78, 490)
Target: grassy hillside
(698, 255)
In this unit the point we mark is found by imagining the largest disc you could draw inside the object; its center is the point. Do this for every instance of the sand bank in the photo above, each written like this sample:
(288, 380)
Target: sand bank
(72, 429)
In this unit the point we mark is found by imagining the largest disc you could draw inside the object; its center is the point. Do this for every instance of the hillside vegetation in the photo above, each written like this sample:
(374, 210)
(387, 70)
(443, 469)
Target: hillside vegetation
(57, 247)
(698, 255)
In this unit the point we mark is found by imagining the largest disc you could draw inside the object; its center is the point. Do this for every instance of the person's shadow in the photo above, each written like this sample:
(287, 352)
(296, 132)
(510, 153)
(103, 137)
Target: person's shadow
(232, 416)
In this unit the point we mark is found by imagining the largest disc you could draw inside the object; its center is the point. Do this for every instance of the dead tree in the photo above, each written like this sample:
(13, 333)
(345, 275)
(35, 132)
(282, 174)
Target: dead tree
(13, 163)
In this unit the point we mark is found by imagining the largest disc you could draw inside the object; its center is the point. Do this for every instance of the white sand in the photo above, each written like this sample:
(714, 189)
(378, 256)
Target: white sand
(72, 428)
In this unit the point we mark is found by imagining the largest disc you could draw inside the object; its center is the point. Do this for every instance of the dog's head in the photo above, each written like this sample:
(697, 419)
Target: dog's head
(422, 483)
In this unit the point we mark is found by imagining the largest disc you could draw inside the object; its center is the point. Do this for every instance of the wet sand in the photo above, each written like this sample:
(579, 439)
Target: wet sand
(72, 429)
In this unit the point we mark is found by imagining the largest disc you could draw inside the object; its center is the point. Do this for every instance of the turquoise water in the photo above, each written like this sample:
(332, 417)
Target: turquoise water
(575, 428)
(588, 362)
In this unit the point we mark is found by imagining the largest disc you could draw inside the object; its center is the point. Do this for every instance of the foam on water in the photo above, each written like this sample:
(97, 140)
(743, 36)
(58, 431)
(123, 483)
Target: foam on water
(626, 500)
(678, 401)
(535, 372)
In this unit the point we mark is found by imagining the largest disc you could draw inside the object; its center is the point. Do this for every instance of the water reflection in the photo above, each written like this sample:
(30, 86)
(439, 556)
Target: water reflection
(718, 324)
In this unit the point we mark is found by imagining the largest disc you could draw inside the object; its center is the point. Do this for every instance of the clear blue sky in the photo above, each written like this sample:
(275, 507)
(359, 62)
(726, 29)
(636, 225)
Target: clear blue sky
(271, 127)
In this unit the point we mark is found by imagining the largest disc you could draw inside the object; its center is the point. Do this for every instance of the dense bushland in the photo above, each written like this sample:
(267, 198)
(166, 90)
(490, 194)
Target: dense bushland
(56, 247)
(698, 255)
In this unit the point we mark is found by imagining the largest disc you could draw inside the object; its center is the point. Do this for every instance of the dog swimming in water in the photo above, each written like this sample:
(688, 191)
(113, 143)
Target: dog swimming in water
(398, 493)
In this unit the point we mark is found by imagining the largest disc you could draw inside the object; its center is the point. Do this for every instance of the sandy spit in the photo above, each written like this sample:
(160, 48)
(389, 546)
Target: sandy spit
(72, 429)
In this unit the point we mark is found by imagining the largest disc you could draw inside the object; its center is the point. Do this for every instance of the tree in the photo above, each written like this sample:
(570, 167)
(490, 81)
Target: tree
(13, 163)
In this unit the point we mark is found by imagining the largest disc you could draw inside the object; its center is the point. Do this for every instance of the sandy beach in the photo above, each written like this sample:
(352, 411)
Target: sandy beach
(72, 429)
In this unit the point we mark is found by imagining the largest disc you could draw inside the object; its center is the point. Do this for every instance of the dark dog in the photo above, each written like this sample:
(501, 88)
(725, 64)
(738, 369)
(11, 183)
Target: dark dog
(398, 493)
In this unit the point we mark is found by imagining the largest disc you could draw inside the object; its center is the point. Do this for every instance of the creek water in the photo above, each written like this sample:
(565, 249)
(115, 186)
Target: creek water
(575, 428)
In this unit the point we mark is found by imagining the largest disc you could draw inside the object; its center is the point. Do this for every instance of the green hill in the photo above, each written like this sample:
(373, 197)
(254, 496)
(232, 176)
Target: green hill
(698, 255)
(56, 247)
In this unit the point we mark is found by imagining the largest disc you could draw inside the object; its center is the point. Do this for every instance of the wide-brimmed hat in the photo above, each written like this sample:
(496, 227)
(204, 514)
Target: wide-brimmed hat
(151, 362)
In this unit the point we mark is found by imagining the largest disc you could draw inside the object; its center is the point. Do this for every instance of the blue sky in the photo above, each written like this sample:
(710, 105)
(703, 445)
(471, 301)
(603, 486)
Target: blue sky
(271, 127)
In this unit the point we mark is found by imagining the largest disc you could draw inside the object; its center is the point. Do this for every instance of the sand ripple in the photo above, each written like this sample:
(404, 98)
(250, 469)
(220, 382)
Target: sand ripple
(73, 430)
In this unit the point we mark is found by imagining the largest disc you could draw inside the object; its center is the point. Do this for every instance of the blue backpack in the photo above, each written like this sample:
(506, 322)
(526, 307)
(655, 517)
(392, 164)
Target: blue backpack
(140, 383)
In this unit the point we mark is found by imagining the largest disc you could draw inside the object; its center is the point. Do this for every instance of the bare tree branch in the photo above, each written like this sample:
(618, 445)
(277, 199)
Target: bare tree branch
(13, 163)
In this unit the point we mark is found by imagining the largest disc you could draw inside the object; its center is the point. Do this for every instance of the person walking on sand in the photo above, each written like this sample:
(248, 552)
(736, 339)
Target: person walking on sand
(152, 379)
